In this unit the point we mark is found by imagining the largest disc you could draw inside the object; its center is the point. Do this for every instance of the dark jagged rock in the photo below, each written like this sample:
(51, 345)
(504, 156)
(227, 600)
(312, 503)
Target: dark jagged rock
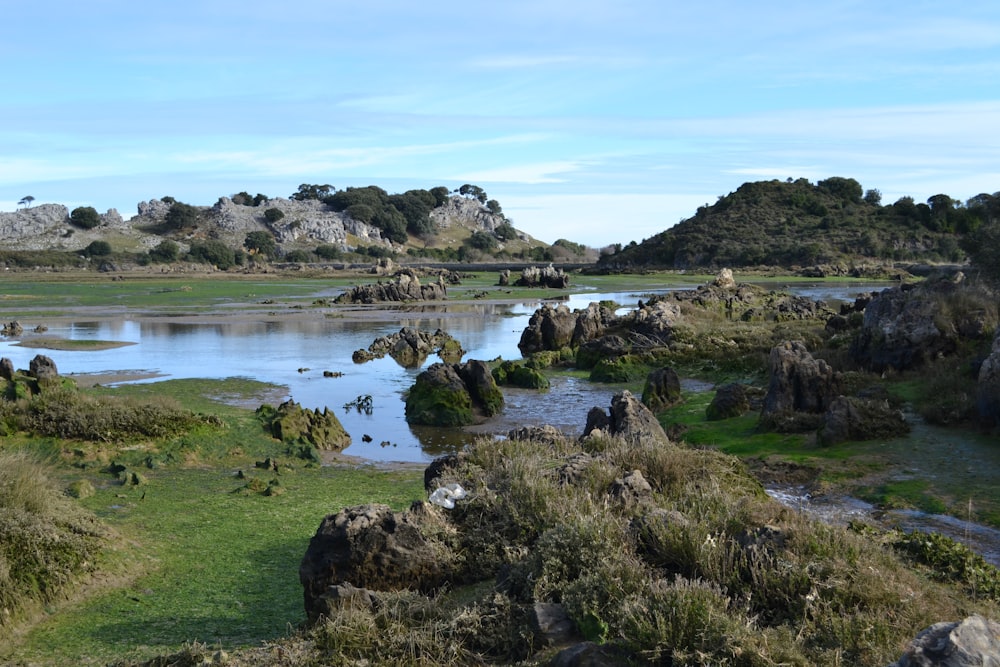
(628, 419)
(372, 547)
(405, 287)
(591, 323)
(974, 641)
(12, 329)
(798, 382)
(550, 328)
(662, 389)
(851, 418)
(730, 400)
(905, 327)
(545, 434)
(410, 347)
(42, 367)
(453, 395)
(7, 369)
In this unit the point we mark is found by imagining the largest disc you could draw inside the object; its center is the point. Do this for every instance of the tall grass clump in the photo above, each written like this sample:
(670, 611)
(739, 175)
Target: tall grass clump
(46, 541)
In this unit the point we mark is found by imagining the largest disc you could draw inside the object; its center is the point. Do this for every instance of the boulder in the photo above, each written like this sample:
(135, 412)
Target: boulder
(591, 654)
(730, 400)
(628, 419)
(972, 641)
(662, 389)
(631, 489)
(852, 418)
(439, 397)
(550, 328)
(546, 434)
(369, 547)
(798, 382)
(7, 369)
(42, 367)
(652, 323)
(724, 279)
(453, 395)
(13, 328)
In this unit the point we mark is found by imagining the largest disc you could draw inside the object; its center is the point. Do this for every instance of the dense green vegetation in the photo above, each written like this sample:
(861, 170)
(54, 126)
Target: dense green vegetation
(797, 223)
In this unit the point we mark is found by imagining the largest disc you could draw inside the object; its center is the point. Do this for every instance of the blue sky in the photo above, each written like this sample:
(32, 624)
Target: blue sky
(597, 121)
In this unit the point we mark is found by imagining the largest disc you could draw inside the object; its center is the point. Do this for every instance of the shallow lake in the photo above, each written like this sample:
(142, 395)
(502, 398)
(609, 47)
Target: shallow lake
(295, 353)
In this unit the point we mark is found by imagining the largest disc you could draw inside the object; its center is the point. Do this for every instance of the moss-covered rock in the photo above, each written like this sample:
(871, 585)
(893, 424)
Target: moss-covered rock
(627, 368)
(291, 423)
(662, 389)
(439, 397)
(519, 375)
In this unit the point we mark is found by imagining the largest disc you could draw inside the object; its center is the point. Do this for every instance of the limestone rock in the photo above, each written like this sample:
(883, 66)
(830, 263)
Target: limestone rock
(591, 323)
(404, 287)
(631, 489)
(7, 369)
(724, 279)
(410, 347)
(548, 276)
(972, 641)
(293, 423)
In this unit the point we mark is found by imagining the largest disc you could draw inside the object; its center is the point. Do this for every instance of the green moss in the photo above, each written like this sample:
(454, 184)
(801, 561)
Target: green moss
(622, 369)
(519, 375)
(438, 406)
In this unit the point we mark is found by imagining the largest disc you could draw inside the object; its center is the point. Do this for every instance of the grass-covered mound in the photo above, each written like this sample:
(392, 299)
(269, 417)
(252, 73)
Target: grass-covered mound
(659, 554)
(47, 541)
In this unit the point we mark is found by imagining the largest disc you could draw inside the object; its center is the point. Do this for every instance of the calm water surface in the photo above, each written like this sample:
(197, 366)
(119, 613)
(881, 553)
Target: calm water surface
(295, 353)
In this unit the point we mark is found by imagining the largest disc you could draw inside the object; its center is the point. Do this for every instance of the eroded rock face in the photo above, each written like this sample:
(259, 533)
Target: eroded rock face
(798, 382)
(974, 641)
(368, 547)
(988, 386)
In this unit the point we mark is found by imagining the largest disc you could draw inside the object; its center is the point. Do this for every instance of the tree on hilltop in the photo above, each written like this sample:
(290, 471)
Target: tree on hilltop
(26, 201)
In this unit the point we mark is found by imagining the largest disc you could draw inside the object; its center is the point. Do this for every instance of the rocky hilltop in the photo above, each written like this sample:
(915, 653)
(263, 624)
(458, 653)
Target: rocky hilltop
(294, 223)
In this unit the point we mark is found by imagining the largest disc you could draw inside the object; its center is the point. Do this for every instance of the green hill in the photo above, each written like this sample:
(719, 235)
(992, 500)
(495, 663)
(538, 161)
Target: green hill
(797, 224)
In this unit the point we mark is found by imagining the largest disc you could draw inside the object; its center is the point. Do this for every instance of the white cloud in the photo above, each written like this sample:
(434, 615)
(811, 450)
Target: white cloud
(529, 174)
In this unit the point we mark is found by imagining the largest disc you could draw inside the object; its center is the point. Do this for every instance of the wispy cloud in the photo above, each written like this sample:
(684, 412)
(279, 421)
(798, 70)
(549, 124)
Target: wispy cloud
(529, 174)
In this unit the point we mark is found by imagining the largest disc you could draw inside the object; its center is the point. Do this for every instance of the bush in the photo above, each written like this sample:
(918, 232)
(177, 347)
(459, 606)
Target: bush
(165, 252)
(273, 214)
(328, 252)
(181, 216)
(85, 217)
(97, 249)
(213, 252)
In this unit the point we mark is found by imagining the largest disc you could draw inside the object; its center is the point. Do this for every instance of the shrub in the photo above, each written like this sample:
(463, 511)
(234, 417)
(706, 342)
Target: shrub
(85, 217)
(328, 252)
(181, 216)
(97, 249)
(213, 252)
(165, 252)
(273, 214)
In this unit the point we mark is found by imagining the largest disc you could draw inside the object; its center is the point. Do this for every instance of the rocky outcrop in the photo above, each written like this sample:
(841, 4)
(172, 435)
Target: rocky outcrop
(628, 419)
(730, 400)
(410, 347)
(662, 389)
(974, 641)
(369, 547)
(291, 423)
(453, 395)
(798, 382)
(550, 328)
(907, 326)
(591, 323)
(405, 287)
(855, 419)
(468, 213)
(547, 276)
(651, 323)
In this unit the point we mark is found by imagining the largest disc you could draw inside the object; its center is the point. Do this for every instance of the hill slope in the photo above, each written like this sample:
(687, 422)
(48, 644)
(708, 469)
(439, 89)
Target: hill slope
(797, 223)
